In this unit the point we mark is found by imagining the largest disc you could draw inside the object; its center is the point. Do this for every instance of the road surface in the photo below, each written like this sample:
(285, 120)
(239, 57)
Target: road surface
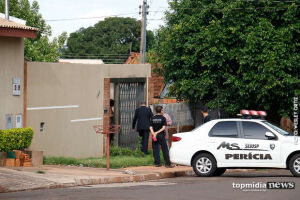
(224, 187)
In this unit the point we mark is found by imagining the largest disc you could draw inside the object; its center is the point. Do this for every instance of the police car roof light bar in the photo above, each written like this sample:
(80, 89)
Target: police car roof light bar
(252, 114)
(245, 114)
(262, 114)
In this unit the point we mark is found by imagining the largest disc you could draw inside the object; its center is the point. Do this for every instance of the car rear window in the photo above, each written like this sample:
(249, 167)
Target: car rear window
(224, 129)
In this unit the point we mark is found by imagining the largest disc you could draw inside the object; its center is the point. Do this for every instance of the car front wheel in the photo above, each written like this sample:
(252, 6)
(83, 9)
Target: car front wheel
(294, 165)
(204, 165)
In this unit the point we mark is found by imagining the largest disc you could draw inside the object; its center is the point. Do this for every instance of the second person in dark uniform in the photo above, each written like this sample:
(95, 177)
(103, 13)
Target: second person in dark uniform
(157, 129)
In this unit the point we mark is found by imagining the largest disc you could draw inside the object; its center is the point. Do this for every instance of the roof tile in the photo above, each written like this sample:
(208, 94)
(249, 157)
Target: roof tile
(10, 24)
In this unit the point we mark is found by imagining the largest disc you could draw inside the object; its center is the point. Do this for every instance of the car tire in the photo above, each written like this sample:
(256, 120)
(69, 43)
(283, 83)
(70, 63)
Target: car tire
(294, 165)
(220, 171)
(204, 164)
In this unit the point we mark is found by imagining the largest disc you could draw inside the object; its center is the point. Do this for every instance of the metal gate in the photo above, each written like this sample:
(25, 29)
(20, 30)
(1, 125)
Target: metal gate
(130, 95)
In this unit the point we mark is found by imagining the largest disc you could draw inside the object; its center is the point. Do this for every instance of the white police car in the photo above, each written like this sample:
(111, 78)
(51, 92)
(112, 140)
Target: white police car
(236, 143)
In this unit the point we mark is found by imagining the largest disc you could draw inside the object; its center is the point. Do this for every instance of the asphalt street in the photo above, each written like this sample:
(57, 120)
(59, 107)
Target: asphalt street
(189, 187)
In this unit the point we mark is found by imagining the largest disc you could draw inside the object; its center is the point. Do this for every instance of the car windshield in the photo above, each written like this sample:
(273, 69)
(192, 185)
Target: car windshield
(279, 130)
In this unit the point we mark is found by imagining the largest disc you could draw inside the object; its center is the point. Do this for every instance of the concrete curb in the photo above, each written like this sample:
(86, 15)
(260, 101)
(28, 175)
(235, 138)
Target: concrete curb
(107, 180)
(61, 177)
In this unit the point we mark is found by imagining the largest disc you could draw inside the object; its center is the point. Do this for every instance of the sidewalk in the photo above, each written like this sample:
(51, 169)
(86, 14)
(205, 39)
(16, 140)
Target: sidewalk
(55, 176)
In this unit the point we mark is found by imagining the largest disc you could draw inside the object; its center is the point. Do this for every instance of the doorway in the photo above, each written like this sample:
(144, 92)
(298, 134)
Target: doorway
(128, 94)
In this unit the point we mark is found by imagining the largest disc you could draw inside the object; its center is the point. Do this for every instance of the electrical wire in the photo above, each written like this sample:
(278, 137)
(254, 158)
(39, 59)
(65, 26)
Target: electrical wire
(162, 11)
(218, 9)
(82, 18)
(98, 54)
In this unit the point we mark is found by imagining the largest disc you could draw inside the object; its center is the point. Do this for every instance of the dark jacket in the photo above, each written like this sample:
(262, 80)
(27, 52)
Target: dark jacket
(207, 119)
(143, 116)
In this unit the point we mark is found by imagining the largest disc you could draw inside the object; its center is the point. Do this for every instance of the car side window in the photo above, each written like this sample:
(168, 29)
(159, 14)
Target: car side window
(253, 130)
(224, 129)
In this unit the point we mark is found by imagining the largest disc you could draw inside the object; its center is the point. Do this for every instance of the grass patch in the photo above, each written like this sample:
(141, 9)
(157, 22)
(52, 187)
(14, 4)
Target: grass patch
(119, 158)
(261, 170)
(40, 172)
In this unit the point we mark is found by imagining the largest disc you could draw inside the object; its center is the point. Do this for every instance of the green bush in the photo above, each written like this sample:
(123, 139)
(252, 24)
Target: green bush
(115, 161)
(15, 139)
(119, 151)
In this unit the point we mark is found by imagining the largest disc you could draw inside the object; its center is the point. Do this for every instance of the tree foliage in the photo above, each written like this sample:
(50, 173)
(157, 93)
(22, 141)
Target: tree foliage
(240, 53)
(41, 48)
(110, 40)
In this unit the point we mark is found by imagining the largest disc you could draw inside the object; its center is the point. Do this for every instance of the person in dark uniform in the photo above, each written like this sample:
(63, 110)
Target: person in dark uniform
(157, 129)
(206, 116)
(142, 117)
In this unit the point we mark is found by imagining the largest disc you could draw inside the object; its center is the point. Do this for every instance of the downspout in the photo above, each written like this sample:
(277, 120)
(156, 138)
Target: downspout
(6, 9)
(25, 95)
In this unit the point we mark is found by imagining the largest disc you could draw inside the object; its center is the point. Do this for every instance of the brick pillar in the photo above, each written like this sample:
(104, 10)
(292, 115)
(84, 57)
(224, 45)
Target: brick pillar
(155, 86)
(106, 106)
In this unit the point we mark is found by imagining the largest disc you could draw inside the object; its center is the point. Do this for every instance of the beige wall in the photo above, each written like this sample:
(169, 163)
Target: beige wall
(11, 66)
(65, 84)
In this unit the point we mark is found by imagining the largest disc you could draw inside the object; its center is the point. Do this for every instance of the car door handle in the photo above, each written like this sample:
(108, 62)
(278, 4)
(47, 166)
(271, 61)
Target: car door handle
(211, 141)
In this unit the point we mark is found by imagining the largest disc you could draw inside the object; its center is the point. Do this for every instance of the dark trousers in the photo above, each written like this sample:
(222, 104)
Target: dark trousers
(156, 149)
(158, 146)
(144, 143)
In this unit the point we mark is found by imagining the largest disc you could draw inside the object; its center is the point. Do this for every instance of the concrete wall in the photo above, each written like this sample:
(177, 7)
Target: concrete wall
(78, 90)
(11, 66)
(180, 113)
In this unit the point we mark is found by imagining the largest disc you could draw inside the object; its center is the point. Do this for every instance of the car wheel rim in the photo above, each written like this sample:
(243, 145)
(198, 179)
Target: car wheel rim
(204, 165)
(297, 165)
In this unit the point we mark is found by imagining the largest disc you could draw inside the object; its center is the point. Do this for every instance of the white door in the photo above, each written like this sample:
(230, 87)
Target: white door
(224, 141)
(257, 150)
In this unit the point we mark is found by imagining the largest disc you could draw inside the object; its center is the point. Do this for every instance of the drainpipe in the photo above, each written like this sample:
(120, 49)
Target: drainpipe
(6, 10)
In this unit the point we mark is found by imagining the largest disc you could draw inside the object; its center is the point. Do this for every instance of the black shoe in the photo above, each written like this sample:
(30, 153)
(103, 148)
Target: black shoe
(170, 166)
(159, 165)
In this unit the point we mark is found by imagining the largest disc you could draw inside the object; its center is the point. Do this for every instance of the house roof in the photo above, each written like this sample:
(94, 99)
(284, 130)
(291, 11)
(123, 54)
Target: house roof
(13, 29)
(134, 58)
(10, 24)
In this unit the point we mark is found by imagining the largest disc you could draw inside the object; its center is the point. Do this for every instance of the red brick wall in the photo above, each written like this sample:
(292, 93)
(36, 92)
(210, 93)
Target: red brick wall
(155, 82)
(156, 85)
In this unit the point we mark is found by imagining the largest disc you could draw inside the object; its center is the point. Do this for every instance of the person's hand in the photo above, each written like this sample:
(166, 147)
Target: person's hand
(154, 138)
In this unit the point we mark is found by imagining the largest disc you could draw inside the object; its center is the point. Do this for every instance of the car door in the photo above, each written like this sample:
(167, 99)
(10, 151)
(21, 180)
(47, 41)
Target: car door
(257, 149)
(224, 140)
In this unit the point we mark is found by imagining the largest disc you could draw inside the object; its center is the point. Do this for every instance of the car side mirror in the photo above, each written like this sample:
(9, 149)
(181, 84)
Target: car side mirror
(270, 135)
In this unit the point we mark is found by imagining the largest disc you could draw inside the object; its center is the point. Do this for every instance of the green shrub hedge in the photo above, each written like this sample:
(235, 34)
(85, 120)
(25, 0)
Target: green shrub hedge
(119, 151)
(15, 139)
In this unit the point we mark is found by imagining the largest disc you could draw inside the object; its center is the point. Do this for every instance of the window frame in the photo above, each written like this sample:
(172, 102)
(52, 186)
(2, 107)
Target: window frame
(42, 127)
(11, 121)
(19, 124)
(210, 134)
(16, 87)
